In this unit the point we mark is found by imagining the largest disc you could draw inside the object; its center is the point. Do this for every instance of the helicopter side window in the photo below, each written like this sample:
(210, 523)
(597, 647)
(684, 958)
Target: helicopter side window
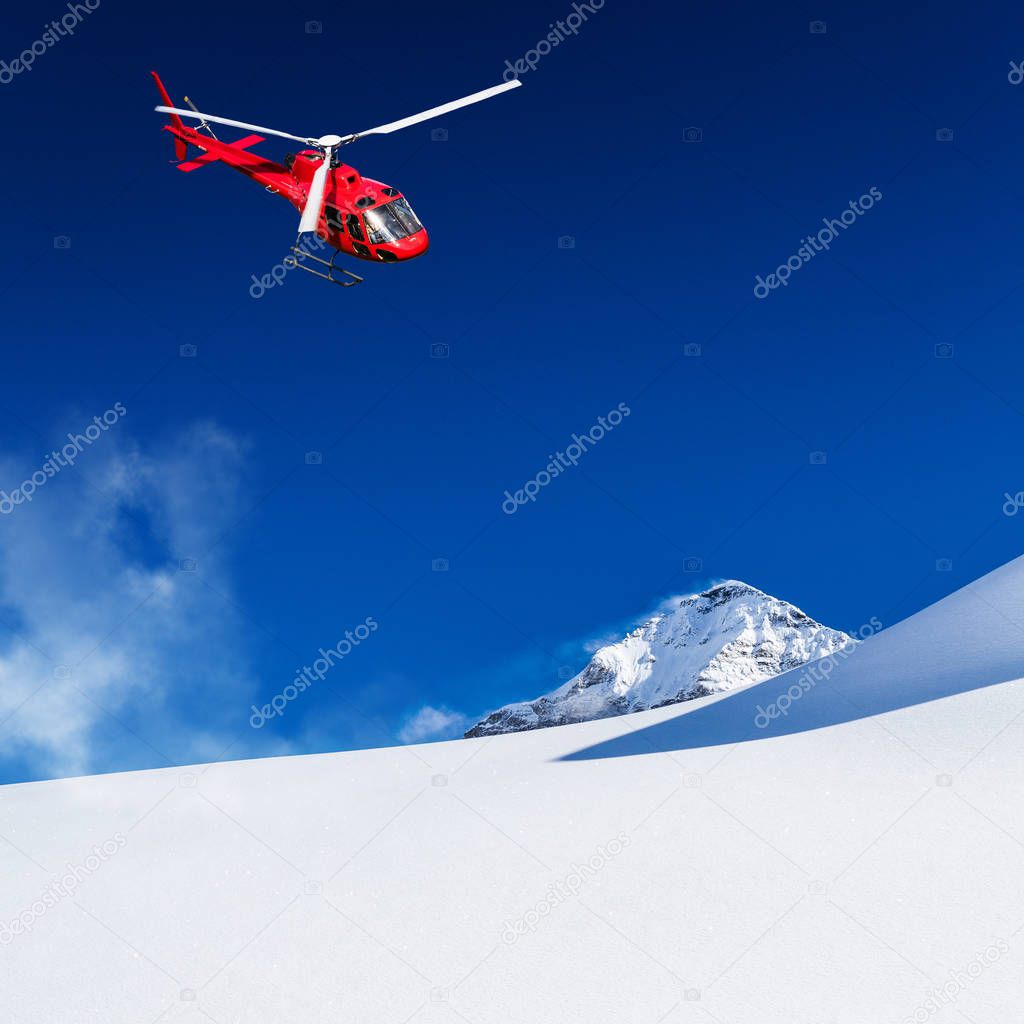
(355, 228)
(334, 220)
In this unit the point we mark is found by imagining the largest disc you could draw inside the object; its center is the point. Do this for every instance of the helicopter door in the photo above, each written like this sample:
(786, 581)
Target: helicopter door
(355, 227)
(354, 223)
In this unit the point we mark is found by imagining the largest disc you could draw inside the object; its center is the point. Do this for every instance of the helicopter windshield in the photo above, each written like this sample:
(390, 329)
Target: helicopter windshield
(391, 222)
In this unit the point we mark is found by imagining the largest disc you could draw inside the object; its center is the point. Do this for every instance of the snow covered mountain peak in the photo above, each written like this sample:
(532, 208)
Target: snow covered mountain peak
(727, 636)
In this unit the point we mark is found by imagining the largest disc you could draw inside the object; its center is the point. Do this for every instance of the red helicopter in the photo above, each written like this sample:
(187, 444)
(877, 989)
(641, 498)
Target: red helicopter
(355, 215)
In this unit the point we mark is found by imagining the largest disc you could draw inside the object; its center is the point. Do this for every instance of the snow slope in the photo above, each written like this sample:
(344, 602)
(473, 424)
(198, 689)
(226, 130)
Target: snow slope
(679, 865)
(728, 636)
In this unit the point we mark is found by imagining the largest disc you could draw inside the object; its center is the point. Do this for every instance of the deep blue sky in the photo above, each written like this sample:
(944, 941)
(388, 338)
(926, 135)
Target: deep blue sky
(714, 462)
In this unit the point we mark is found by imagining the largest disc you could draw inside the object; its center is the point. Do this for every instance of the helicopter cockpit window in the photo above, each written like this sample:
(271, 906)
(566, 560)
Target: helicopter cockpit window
(355, 228)
(392, 222)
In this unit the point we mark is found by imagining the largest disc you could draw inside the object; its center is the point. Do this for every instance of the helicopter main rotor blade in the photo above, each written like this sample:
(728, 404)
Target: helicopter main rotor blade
(195, 114)
(315, 199)
(445, 108)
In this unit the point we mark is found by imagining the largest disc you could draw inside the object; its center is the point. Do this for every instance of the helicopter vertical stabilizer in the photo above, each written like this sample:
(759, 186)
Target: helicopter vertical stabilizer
(180, 146)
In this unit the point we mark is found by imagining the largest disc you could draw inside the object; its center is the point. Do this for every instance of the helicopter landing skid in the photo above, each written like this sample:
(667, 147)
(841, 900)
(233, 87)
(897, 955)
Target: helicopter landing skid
(300, 256)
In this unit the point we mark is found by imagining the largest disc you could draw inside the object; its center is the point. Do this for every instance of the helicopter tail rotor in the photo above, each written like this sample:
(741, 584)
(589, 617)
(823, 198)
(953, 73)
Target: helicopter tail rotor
(202, 126)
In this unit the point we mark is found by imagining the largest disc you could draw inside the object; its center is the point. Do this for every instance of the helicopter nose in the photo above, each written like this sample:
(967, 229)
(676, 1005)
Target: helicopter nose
(413, 246)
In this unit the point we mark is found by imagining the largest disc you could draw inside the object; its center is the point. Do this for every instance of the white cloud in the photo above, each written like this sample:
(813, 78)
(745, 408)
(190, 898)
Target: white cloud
(430, 723)
(593, 646)
(109, 652)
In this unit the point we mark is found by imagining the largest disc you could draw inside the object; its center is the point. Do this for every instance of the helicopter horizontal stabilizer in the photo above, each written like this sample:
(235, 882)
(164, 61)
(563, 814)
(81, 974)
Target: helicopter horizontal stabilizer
(209, 158)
